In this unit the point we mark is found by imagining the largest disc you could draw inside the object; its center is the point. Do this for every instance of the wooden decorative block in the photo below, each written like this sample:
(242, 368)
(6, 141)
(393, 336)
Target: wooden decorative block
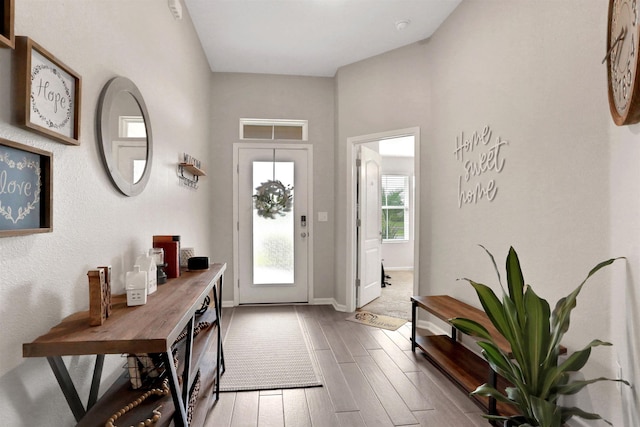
(97, 303)
(107, 288)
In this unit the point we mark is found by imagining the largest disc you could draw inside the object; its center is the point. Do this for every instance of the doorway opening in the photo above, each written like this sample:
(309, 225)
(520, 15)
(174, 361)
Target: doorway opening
(399, 224)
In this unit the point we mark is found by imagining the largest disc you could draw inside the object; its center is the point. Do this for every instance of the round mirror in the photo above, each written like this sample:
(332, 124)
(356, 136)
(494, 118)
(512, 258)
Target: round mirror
(124, 133)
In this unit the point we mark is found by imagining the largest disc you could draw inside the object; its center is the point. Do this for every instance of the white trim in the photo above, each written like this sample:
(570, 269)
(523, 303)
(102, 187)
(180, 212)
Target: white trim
(236, 247)
(352, 144)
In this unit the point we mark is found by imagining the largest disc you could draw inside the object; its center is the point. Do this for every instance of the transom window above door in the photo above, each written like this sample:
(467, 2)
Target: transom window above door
(274, 129)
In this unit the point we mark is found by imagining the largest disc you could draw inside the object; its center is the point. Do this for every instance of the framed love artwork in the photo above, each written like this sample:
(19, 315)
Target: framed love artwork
(25, 189)
(7, 38)
(48, 93)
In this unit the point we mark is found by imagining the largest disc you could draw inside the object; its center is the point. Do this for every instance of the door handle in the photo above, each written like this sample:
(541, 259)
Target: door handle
(303, 234)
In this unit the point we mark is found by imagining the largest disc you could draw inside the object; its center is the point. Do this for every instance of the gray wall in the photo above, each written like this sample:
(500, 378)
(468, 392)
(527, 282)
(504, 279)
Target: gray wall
(385, 93)
(531, 71)
(259, 96)
(44, 277)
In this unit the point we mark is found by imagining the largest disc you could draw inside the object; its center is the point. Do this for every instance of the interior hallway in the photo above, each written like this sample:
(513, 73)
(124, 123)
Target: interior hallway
(371, 378)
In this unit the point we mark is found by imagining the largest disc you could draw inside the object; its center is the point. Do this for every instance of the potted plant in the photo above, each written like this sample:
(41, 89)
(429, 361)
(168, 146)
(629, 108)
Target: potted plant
(539, 377)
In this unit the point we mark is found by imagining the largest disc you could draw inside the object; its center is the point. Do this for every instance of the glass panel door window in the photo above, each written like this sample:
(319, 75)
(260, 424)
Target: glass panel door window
(273, 239)
(395, 208)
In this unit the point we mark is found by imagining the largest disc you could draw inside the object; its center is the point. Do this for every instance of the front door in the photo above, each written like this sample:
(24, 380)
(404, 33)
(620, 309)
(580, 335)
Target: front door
(273, 233)
(369, 225)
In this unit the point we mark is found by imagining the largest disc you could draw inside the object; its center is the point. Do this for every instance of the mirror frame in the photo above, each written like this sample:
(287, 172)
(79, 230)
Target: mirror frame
(107, 97)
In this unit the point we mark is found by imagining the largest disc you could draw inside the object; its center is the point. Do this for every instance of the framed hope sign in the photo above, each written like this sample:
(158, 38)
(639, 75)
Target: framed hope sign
(25, 189)
(48, 93)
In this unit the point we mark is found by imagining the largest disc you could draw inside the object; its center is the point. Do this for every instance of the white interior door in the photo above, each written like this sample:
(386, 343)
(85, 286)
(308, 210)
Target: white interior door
(369, 227)
(273, 251)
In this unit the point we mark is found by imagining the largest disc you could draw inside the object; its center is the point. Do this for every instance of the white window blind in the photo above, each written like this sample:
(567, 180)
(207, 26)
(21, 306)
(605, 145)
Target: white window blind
(395, 207)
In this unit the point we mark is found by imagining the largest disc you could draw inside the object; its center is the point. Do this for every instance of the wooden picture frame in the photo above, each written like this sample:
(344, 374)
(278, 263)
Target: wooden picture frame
(48, 93)
(7, 37)
(25, 189)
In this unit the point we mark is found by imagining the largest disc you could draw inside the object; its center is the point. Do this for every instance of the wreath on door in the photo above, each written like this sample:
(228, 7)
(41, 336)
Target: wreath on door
(273, 198)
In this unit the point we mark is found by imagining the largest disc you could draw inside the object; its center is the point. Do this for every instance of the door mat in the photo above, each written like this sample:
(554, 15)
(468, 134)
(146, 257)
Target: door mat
(265, 348)
(376, 320)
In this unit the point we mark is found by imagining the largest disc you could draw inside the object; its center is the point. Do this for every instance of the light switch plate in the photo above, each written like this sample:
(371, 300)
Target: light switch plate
(323, 217)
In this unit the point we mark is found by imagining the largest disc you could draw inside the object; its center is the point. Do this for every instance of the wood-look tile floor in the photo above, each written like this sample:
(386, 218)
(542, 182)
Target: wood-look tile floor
(370, 378)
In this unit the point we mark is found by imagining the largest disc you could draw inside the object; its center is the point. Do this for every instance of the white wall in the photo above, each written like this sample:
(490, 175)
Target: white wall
(43, 277)
(624, 210)
(259, 96)
(531, 71)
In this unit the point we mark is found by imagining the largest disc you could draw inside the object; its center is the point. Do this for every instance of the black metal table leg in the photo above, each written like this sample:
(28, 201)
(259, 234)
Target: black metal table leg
(493, 381)
(414, 309)
(67, 386)
(219, 358)
(186, 377)
(219, 307)
(180, 415)
(95, 381)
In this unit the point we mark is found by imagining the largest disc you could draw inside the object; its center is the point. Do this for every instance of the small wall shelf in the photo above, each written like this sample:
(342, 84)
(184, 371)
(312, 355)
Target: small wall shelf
(193, 169)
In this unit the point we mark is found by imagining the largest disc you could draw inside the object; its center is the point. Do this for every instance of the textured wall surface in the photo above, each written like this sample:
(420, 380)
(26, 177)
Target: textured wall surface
(43, 277)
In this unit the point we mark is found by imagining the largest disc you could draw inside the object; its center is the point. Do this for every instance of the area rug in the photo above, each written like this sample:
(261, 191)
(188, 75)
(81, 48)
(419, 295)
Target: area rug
(395, 299)
(265, 348)
(377, 320)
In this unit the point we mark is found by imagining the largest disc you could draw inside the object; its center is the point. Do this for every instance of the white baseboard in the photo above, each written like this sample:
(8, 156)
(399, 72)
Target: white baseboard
(316, 301)
(330, 301)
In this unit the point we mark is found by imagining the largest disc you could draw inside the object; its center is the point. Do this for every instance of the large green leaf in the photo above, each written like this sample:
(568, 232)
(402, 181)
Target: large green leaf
(517, 339)
(560, 318)
(495, 266)
(489, 391)
(575, 386)
(499, 361)
(515, 282)
(578, 359)
(573, 411)
(492, 307)
(537, 338)
(546, 413)
(470, 327)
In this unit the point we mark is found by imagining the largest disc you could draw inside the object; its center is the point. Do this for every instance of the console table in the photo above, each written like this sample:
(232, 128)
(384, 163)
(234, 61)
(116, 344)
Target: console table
(149, 328)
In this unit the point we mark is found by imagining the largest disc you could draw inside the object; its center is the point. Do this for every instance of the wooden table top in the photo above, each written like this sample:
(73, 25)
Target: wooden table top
(149, 328)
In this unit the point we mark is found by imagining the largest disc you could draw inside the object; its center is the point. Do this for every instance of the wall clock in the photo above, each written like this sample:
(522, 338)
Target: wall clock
(623, 61)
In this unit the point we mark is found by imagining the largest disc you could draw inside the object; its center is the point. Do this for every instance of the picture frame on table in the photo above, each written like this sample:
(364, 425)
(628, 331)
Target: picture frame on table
(7, 37)
(26, 189)
(48, 93)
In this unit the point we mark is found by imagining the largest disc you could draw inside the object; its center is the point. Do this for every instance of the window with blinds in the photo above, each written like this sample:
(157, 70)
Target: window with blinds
(395, 207)
(273, 129)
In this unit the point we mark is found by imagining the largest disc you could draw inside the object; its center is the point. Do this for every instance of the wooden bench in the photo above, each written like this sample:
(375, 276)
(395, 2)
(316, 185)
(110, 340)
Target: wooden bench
(461, 365)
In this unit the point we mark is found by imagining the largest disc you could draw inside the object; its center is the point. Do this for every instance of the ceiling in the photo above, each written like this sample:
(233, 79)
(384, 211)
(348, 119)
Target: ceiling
(308, 37)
